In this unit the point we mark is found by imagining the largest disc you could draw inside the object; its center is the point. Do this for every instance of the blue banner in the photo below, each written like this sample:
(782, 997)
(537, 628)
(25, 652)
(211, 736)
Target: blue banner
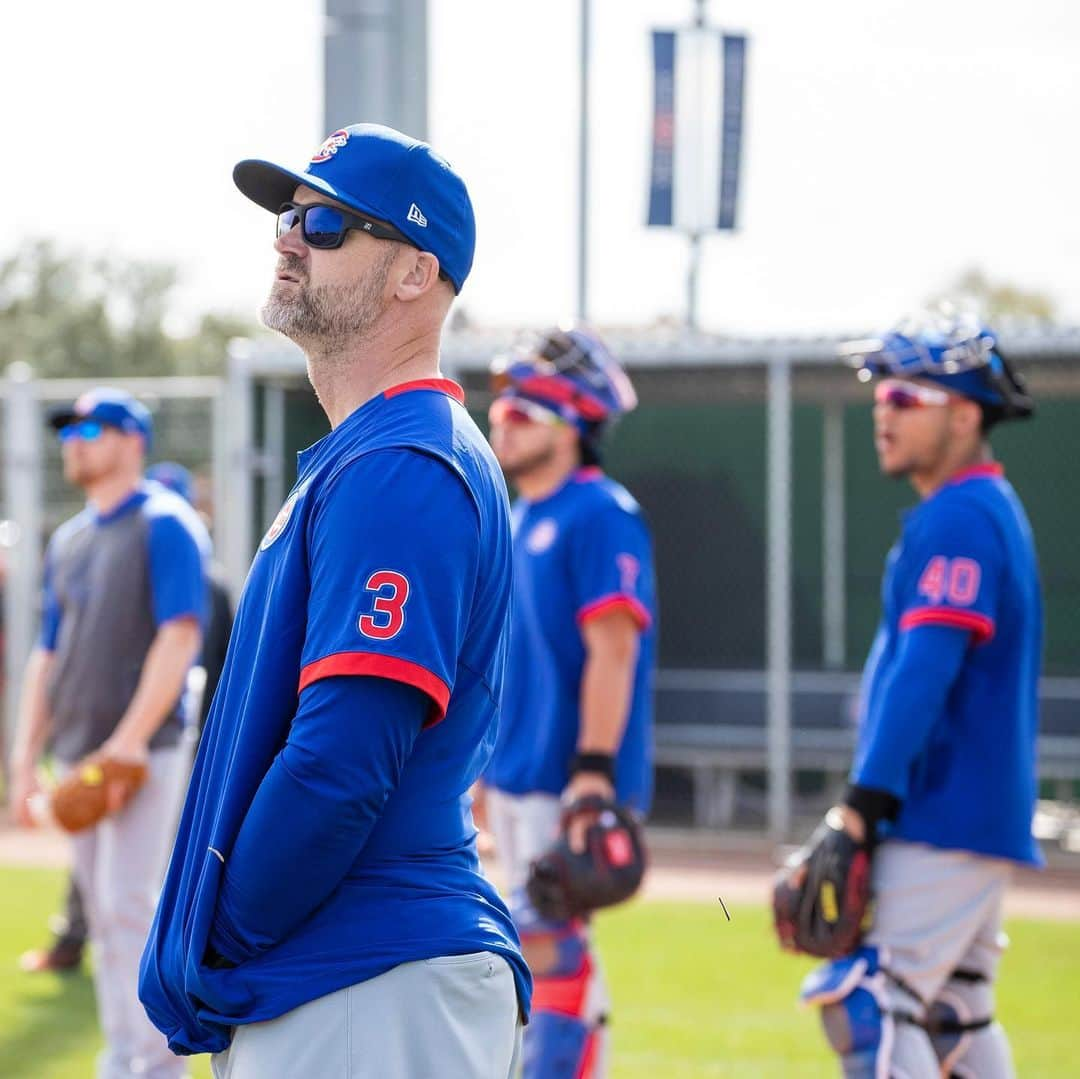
(662, 177)
(731, 124)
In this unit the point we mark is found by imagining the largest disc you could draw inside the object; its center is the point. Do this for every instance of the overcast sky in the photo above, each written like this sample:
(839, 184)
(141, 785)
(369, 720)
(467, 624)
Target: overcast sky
(890, 145)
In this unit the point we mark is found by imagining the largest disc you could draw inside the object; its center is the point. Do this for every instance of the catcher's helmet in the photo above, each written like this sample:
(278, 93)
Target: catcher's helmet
(564, 884)
(956, 351)
(571, 372)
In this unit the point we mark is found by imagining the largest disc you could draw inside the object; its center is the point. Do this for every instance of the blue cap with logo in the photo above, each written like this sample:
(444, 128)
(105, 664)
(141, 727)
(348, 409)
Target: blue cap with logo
(116, 408)
(381, 172)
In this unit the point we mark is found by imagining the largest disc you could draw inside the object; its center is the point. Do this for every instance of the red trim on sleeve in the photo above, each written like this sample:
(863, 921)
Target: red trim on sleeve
(981, 627)
(374, 665)
(988, 469)
(443, 385)
(638, 611)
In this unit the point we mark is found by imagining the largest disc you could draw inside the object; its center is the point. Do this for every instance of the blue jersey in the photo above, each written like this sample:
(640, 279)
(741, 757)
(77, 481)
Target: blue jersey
(966, 773)
(390, 559)
(579, 552)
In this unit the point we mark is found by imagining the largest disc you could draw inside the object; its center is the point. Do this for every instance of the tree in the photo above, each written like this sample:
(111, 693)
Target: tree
(70, 315)
(997, 301)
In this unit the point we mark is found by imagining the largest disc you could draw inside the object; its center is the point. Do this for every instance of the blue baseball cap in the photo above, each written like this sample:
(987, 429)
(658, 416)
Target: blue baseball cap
(117, 408)
(380, 172)
(173, 475)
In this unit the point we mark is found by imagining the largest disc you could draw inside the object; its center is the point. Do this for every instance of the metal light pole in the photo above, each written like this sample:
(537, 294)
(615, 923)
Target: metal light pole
(375, 64)
(582, 306)
(694, 238)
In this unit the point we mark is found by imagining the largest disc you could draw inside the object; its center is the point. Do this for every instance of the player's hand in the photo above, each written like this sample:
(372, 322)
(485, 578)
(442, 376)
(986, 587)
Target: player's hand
(580, 786)
(853, 825)
(124, 750)
(852, 821)
(24, 788)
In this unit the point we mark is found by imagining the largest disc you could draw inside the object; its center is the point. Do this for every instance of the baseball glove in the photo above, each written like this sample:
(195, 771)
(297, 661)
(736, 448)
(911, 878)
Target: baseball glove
(95, 787)
(565, 884)
(821, 901)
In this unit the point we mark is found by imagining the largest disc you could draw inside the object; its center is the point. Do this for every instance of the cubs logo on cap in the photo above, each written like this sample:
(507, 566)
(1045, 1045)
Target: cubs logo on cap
(331, 145)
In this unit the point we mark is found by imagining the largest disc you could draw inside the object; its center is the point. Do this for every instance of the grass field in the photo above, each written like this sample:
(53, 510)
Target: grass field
(695, 996)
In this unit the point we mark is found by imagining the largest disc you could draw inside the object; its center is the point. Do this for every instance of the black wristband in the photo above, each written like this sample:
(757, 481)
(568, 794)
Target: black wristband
(600, 763)
(873, 805)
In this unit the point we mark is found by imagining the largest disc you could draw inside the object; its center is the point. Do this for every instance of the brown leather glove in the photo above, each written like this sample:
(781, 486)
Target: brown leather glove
(94, 788)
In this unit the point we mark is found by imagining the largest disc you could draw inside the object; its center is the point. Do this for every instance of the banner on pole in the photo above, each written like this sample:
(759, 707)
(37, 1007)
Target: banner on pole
(662, 176)
(698, 103)
(734, 48)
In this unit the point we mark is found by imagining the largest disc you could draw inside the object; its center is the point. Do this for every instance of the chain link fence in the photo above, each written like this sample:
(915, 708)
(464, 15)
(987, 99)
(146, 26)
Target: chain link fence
(755, 465)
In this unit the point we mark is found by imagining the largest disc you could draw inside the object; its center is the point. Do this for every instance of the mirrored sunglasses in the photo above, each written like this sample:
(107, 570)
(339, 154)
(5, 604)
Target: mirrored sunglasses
(84, 430)
(903, 395)
(325, 227)
(516, 410)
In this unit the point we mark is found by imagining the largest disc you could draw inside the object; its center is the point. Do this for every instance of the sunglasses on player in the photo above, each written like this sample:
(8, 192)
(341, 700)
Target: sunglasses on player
(904, 395)
(84, 430)
(515, 410)
(325, 227)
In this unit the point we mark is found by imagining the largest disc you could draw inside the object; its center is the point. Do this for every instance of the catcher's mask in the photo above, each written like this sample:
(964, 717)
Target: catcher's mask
(564, 884)
(956, 352)
(569, 370)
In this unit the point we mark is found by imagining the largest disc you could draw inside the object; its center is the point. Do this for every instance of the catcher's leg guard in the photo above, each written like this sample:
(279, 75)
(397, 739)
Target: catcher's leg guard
(969, 1044)
(871, 1021)
(564, 1038)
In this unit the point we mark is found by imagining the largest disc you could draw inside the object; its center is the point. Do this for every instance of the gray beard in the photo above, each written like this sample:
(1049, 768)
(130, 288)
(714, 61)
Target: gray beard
(326, 318)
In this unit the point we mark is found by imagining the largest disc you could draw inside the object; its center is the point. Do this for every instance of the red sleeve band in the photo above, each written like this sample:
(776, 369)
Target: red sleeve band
(373, 665)
(981, 627)
(616, 601)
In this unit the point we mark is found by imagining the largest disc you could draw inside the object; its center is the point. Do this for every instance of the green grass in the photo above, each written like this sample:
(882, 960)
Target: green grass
(695, 996)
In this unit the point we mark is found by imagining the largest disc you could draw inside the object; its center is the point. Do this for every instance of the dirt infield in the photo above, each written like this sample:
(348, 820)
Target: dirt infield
(685, 865)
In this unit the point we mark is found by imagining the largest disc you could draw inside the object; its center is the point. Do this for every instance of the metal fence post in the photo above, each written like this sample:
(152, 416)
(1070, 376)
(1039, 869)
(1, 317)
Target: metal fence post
(23, 486)
(778, 574)
(237, 499)
(833, 576)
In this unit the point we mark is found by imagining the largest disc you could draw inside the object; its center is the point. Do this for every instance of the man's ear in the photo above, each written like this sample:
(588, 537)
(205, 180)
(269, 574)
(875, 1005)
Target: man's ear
(967, 417)
(421, 276)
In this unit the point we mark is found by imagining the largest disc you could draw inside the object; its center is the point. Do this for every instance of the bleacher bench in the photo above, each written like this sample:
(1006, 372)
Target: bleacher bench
(712, 724)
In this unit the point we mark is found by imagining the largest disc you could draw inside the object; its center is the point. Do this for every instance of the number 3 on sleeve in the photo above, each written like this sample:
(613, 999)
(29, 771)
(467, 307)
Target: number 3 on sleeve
(388, 607)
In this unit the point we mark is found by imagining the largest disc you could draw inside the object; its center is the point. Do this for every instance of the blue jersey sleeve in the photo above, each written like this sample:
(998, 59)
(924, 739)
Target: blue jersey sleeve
(314, 809)
(911, 701)
(611, 564)
(50, 608)
(394, 553)
(178, 581)
(953, 565)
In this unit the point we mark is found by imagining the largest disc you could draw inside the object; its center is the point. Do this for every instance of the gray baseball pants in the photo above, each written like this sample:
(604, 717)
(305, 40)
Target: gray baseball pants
(453, 1017)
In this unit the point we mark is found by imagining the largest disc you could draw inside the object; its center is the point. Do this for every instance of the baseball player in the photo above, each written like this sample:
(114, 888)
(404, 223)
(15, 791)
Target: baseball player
(577, 713)
(944, 778)
(325, 912)
(124, 599)
(65, 952)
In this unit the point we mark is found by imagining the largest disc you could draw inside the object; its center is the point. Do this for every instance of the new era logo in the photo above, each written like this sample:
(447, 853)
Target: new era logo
(416, 215)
